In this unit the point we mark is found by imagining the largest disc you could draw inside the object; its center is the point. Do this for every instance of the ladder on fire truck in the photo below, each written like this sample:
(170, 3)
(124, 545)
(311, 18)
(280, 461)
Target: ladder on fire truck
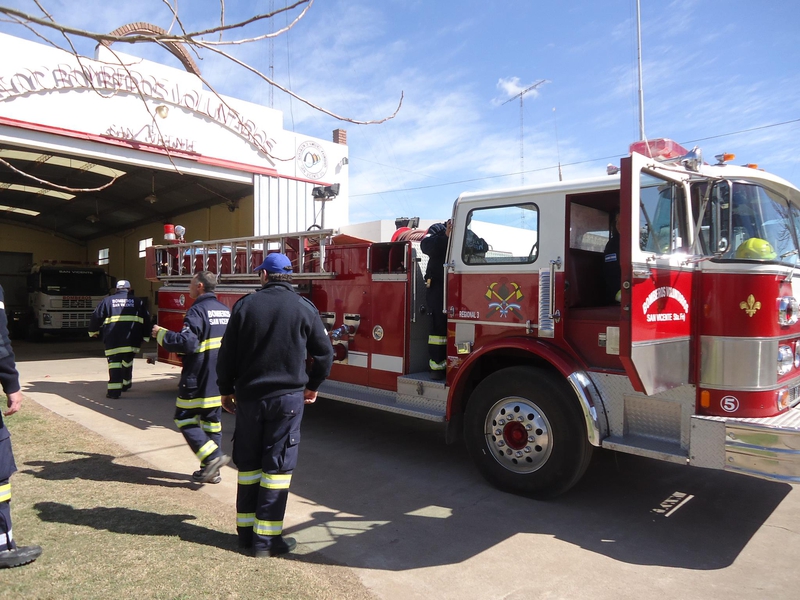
(235, 260)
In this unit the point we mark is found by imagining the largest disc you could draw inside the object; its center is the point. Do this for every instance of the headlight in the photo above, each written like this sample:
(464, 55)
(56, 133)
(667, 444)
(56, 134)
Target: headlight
(785, 360)
(797, 355)
(787, 310)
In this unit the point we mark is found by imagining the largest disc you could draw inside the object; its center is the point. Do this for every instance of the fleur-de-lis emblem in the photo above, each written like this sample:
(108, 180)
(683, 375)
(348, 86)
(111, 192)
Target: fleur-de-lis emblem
(750, 306)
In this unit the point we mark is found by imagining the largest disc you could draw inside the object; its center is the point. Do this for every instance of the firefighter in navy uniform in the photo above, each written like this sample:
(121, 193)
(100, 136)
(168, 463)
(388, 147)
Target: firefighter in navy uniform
(434, 244)
(122, 322)
(11, 555)
(198, 408)
(262, 376)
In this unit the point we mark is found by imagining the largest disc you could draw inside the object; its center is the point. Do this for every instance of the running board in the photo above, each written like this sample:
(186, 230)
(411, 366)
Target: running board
(417, 396)
(648, 447)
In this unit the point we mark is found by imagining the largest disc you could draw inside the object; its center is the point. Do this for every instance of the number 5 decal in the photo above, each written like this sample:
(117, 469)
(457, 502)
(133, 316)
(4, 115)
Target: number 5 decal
(729, 403)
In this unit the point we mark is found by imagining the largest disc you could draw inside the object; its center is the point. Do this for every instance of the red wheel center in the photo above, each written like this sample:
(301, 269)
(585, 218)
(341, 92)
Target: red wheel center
(515, 435)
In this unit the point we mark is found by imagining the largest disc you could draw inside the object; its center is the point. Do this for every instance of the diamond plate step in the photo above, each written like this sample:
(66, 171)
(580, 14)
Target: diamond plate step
(649, 447)
(414, 405)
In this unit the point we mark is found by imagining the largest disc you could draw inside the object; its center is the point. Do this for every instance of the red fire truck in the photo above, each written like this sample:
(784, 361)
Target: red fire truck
(697, 363)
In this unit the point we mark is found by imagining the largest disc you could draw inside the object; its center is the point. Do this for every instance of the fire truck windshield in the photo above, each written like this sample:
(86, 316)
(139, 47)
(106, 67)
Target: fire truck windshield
(746, 221)
(72, 282)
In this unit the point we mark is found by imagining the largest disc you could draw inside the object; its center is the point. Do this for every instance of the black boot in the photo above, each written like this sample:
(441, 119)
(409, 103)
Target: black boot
(19, 556)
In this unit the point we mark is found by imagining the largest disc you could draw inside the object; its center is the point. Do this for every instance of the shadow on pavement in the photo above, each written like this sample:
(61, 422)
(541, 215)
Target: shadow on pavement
(420, 503)
(149, 403)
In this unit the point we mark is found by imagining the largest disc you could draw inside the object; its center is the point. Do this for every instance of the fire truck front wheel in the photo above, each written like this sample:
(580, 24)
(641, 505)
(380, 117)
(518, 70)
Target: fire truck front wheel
(524, 430)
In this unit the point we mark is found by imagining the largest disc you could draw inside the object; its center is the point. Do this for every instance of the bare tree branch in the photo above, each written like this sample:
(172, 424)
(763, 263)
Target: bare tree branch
(221, 16)
(132, 39)
(168, 40)
(262, 37)
(291, 93)
(55, 185)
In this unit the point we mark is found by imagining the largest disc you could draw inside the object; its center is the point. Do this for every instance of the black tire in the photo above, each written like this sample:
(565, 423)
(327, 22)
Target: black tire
(544, 450)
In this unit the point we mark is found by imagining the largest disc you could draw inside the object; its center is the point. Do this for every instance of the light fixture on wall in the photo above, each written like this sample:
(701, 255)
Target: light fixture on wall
(162, 110)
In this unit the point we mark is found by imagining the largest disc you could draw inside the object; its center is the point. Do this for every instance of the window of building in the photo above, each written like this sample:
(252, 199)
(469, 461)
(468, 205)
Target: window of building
(102, 256)
(143, 245)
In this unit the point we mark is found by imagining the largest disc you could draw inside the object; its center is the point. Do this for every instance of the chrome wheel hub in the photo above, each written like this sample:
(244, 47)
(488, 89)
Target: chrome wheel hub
(518, 435)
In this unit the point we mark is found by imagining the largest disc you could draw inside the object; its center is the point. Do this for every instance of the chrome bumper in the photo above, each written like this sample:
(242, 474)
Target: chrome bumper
(768, 448)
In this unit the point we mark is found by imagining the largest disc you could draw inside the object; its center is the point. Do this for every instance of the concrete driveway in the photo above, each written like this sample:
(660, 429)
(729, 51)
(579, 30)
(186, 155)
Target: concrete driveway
(385, 496)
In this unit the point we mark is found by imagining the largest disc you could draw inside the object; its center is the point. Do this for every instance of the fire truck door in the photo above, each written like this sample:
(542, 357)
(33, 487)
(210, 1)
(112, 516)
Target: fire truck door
(656, 289)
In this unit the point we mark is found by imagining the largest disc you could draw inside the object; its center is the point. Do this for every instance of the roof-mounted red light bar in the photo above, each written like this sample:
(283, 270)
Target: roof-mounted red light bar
(659, 148)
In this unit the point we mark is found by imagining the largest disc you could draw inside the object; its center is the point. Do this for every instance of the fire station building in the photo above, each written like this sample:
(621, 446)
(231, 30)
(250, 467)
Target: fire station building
(128, 148)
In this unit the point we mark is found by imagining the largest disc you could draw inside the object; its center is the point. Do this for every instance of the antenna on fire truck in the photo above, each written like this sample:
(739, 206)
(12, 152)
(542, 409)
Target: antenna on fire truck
(521, 130)
(639, 61)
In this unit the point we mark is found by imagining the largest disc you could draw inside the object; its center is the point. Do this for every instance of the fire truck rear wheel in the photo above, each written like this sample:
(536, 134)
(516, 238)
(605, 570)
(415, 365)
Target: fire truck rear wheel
(525, 431)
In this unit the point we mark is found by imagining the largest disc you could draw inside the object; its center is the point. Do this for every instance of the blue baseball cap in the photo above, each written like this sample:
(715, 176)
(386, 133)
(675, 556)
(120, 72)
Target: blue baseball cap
(276, 263)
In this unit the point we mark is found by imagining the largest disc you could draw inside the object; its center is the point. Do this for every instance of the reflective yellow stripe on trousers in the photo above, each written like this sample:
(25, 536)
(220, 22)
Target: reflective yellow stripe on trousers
(267, 527)
(212, 402)
(249, 477)
(276, 481)
(245, 519)
(121, 350)
(207, 449)
(5, 492)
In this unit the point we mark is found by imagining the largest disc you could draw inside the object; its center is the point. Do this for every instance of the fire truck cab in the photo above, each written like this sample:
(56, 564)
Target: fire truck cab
(693, 359)
(62, 296)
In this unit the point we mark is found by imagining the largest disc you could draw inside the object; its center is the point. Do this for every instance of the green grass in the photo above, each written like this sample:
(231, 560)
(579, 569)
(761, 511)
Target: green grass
(112, 526)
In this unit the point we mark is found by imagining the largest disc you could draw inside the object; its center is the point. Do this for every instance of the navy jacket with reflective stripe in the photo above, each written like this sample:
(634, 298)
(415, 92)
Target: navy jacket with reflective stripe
(122, 321)
(199, 341)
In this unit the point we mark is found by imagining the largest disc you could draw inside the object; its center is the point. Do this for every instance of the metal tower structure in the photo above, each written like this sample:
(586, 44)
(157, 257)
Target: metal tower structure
(521, 95)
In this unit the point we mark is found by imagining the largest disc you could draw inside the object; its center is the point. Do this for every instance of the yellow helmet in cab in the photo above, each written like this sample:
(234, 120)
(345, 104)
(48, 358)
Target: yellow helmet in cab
(756, 248)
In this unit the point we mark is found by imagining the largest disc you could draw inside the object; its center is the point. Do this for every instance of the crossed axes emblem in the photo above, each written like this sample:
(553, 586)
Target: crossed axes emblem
(504, 297)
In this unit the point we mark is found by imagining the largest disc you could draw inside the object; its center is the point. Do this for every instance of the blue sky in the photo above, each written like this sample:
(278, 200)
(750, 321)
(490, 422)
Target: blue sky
(720, 74)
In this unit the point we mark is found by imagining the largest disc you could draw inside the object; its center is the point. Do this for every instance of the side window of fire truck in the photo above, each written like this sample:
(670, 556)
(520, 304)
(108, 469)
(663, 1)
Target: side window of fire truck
(713, 231)
(662, 216)
(501, 235)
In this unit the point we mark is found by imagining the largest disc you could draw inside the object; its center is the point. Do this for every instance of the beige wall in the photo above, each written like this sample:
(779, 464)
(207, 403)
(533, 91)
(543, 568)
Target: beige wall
(205, 224)
(44, 246)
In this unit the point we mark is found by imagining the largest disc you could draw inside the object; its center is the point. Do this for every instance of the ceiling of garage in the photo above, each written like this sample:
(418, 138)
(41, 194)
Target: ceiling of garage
(139, 196)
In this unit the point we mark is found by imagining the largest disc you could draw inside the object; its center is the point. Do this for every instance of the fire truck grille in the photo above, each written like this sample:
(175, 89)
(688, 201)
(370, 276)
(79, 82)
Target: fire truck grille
(794, 395)
(77, 303)
(75, 320)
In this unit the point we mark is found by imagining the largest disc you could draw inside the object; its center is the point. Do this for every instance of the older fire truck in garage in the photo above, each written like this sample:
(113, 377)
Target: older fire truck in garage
(698, 363)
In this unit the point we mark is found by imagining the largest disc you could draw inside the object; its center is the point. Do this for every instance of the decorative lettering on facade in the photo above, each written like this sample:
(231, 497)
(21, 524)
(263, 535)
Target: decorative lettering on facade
(149, 135)
(110, 80)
